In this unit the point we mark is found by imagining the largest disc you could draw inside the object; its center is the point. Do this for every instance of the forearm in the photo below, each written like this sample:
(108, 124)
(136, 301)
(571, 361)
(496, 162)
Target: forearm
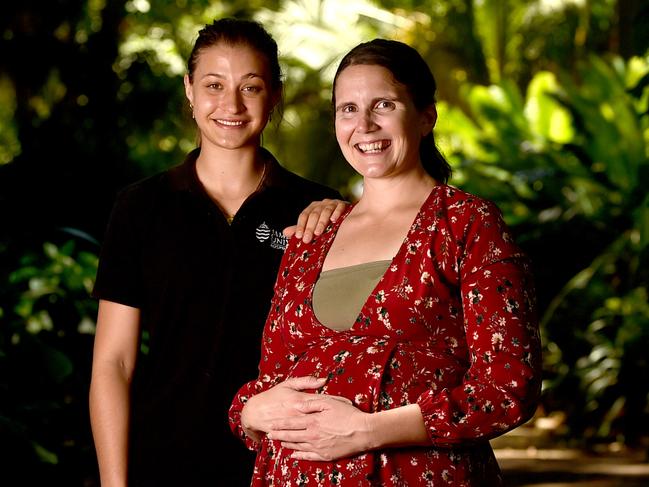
(109, 417)
(402, 426)
(333, 428)
(486, 404)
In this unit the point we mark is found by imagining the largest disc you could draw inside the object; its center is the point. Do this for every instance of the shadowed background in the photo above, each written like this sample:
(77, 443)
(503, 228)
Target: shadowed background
(543, 108)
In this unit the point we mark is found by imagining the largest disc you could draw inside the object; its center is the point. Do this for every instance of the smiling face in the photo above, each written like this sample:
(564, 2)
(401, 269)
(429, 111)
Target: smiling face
(378, 128)
(231, 92)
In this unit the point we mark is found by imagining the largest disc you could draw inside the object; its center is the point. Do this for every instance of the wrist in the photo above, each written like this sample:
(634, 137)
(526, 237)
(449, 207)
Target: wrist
(120, 483)
(370, 437)
(402, 426)
(114, 480)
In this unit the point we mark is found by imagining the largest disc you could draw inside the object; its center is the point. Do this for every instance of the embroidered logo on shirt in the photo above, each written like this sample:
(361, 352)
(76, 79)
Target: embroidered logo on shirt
(262, 232)
(277, 239)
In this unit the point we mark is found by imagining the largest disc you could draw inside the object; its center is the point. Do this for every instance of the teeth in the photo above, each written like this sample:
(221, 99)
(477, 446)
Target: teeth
(373, 147)
(231, 123)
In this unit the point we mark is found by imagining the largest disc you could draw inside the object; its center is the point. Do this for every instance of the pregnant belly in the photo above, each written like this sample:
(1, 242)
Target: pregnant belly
(378, 373)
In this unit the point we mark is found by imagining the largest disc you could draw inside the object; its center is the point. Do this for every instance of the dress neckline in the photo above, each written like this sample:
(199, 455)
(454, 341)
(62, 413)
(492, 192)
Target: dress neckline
(355, 267)
(327, 245)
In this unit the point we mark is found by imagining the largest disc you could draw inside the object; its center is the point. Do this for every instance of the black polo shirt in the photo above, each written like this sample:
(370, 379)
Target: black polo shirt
(204, 289)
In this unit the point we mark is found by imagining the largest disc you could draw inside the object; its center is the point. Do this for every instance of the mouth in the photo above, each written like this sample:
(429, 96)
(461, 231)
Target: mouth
(230, 123)
(375, 147)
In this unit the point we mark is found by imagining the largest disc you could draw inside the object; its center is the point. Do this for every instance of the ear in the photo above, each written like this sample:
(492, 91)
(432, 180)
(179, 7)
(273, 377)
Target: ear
(428, 119)
(189, 93)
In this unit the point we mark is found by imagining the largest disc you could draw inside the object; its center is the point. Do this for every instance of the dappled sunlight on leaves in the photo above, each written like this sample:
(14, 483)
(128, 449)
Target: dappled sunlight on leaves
(9, 142)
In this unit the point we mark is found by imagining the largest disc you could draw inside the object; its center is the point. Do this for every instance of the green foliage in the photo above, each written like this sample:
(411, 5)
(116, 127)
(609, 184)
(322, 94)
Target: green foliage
(537, 115)
(45, 354)
(567, 162)
(305, 32)
(9, 143)
(58, 276)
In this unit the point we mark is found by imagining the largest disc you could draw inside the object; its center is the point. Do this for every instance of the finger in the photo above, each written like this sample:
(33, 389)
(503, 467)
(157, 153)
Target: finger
(290, 436)
(319, 403)
(306, 382)
(311, 406)
(311, 223)
(323, 220)
(298, 446)
(331, 211)
(307, 455)
(281, 425)
(302, 220)
(289, 231)
(340, 208)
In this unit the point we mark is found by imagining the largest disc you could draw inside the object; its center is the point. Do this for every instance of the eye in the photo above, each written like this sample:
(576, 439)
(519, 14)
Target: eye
(348, 109)
(215, 86)
(251, 89)
(385, 105)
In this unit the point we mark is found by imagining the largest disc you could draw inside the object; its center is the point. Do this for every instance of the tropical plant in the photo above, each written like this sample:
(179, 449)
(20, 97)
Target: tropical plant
(45, 355)
(566, 163)
(91, 98)
(312, 36)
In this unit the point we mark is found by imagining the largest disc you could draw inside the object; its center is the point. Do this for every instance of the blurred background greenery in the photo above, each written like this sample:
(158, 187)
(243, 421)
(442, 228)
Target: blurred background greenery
(543, 108)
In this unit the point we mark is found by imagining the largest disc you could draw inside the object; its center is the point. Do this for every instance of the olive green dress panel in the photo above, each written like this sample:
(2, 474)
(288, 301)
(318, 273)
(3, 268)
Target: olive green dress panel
(339, 294)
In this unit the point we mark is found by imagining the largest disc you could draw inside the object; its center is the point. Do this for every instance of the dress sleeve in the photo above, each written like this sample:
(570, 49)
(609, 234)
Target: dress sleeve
(501, 388)
(119, 273)
(276, 359)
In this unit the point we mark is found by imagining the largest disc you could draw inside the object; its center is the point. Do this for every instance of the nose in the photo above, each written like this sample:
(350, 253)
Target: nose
(232, 102)
(366, 122)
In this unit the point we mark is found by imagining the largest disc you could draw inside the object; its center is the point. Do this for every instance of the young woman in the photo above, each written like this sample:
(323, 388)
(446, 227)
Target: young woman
(413, 313)
(186, 277)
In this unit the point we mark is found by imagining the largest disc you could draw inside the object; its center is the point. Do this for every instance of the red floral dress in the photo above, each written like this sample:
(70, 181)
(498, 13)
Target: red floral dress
(450, 326)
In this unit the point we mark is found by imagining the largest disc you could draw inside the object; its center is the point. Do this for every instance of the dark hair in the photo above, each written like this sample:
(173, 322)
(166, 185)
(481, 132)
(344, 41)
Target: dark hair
(408, 68)
(238, 31)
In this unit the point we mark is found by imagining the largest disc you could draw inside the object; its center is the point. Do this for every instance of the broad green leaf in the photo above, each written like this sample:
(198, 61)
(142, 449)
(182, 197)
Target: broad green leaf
(548, 119)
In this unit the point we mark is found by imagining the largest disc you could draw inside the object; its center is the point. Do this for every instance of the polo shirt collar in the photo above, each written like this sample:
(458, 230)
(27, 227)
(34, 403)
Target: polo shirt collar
(184, 178)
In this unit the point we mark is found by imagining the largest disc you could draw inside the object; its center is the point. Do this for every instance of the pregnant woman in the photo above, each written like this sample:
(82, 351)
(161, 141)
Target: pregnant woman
(408, 325)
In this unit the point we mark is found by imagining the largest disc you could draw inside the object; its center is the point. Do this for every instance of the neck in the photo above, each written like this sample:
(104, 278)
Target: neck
(383, 195)
(230, 174)
(230, 177)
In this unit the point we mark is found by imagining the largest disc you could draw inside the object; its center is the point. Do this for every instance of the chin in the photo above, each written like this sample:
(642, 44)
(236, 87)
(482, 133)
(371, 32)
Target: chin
(374, 171)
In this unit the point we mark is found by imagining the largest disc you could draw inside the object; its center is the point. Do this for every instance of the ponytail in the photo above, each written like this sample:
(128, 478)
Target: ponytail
(433, 160)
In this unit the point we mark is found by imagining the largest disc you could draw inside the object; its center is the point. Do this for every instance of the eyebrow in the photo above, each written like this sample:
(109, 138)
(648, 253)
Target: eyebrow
(244, 77)
(374, 101)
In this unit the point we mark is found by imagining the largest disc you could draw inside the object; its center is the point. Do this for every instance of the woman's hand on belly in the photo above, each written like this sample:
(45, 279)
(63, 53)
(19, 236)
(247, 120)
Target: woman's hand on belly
(277, 403)
(327, 428)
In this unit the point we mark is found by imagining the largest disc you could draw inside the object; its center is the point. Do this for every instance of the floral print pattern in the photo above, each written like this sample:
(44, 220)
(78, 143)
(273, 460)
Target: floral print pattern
(450, 326)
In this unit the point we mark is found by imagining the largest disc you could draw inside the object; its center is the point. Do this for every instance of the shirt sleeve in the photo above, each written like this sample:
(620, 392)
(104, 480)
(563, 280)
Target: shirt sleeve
(119, 273)
(501, 388)
(276, 359)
